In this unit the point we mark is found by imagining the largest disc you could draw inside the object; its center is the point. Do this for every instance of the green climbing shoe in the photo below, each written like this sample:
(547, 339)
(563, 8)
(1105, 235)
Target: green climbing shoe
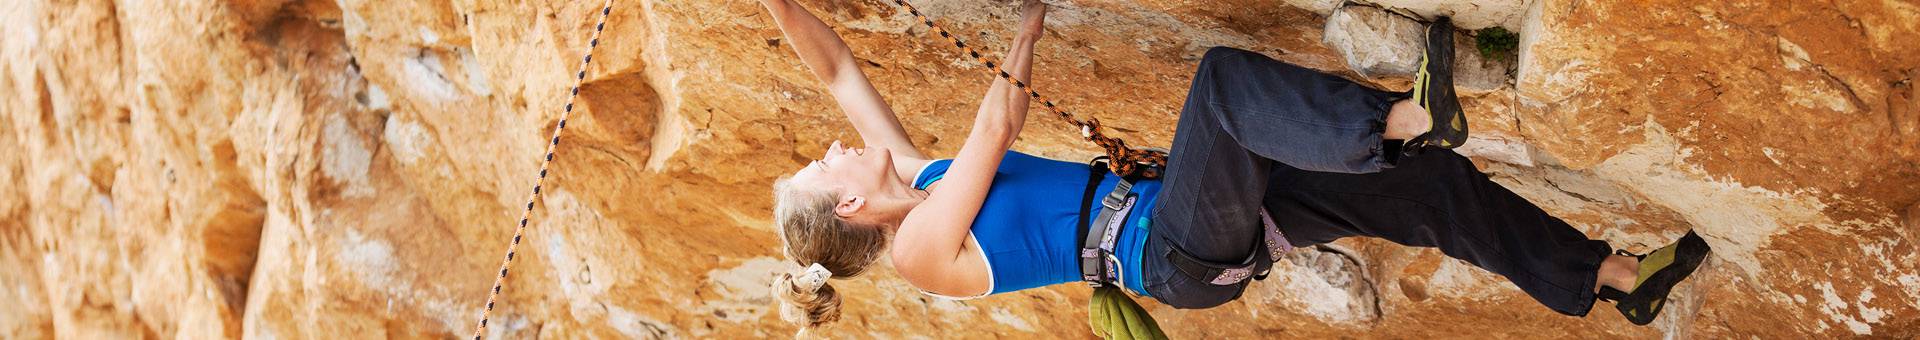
(1433, 90)
(1660, 270)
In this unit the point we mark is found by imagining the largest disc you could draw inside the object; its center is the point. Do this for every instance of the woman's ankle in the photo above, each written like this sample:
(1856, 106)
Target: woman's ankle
(1406, 120)
(1618, 272)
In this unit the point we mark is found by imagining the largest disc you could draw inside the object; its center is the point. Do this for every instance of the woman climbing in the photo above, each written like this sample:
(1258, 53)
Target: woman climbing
(1266, 156)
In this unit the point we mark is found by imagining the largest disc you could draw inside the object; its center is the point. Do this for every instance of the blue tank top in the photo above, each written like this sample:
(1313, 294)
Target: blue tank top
(1027, 227)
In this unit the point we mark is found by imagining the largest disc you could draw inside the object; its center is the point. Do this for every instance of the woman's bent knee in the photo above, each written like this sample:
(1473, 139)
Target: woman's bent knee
(1216, 70)
(1222, 54)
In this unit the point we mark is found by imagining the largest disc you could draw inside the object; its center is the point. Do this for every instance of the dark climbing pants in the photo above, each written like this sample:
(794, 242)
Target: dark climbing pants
(1256, 133)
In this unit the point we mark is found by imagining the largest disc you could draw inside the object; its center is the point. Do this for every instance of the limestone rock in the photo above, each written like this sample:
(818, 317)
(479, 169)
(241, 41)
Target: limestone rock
(1378, 43)
(1323, 7)
(354, 169)
(1471, 15)
(1329, 282)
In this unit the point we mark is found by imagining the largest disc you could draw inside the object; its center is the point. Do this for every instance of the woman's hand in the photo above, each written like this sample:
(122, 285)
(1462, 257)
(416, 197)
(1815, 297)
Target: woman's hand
(834, 64)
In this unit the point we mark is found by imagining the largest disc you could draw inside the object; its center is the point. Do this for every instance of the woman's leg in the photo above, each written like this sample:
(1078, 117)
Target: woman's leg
(1243, 113)
(1209, 202)
(1440, 200)
(1291, 114)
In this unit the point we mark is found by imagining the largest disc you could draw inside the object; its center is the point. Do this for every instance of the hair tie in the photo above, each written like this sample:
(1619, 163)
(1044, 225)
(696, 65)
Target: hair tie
(810, 280)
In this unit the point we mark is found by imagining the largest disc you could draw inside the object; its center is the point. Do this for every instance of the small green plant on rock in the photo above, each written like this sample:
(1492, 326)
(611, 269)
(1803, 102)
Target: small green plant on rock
(1497, 43)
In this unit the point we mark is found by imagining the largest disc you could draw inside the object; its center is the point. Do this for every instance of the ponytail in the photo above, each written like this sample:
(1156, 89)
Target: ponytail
(807, 298)
(829, 247)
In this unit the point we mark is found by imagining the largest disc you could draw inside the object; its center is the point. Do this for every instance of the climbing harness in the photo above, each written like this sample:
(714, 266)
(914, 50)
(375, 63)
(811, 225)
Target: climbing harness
(1127, 161)
(578, 78)
(1099, 267)
(1111, 313)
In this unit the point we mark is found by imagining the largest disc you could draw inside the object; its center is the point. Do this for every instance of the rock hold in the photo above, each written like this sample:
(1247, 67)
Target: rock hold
(1378, 43)
(1331, 282)
(1471, 15)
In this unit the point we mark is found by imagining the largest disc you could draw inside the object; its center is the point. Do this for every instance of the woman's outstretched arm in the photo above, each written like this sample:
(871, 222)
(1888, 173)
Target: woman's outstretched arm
(831, 61)
(930, 240)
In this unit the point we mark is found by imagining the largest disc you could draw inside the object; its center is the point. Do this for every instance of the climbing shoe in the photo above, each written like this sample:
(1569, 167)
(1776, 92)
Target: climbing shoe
(1433, 90)
(1659, 271)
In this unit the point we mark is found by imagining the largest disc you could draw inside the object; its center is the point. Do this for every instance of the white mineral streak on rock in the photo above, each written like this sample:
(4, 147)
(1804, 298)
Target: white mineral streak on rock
(1459, 279)
(1497, 148)
(372, 259)
(636, 326)
(1006, 317)
(427, 37)
(1736, 219)
(406, 139)
(1910, 283)
(377, 98)
(1836, 310)
(427, 76)
(744, 289)
(476, 74)
(346, 158)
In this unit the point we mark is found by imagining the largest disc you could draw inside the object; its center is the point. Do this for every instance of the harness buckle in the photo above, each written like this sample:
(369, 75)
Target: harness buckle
(1099, 267)
(1117, 198)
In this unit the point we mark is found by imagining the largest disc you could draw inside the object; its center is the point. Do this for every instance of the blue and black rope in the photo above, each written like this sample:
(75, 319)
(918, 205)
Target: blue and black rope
(518, 231)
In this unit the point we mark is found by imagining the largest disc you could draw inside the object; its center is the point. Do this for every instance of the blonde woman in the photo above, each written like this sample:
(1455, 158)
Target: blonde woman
(1315, 156)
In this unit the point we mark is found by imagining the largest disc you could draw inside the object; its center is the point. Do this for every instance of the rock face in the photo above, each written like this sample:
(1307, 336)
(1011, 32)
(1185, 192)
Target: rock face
(328, 169)
(1377, 43)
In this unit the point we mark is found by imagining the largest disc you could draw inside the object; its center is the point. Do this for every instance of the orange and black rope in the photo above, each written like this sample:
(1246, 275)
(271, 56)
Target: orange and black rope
(1128, 161)
(578, 78)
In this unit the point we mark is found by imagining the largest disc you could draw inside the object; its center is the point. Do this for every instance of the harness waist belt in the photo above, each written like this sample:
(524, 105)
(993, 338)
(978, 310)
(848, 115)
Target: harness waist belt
(1098, 265)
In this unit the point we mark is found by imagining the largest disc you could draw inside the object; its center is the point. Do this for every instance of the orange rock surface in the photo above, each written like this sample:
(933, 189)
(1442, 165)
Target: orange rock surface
(318, 169)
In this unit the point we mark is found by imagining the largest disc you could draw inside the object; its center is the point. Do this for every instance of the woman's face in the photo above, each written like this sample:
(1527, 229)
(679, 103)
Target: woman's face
(864, 173)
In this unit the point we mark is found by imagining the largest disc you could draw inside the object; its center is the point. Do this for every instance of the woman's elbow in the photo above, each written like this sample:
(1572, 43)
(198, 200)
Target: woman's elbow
(999, 131)
(908, 263)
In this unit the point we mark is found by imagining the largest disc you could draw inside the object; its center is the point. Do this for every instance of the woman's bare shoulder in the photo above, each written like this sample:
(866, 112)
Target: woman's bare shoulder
(966, 276)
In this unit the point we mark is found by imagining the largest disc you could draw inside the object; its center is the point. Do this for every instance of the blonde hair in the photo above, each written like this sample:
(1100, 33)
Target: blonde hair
(830, 246)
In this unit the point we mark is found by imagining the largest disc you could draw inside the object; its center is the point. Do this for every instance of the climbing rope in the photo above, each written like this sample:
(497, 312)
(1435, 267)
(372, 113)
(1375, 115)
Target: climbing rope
(1128, 161)
(578, 78)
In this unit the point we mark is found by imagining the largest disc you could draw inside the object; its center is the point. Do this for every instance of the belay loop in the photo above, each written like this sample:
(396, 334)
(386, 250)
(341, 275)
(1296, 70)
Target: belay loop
(1129, 162)
(578, 78)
